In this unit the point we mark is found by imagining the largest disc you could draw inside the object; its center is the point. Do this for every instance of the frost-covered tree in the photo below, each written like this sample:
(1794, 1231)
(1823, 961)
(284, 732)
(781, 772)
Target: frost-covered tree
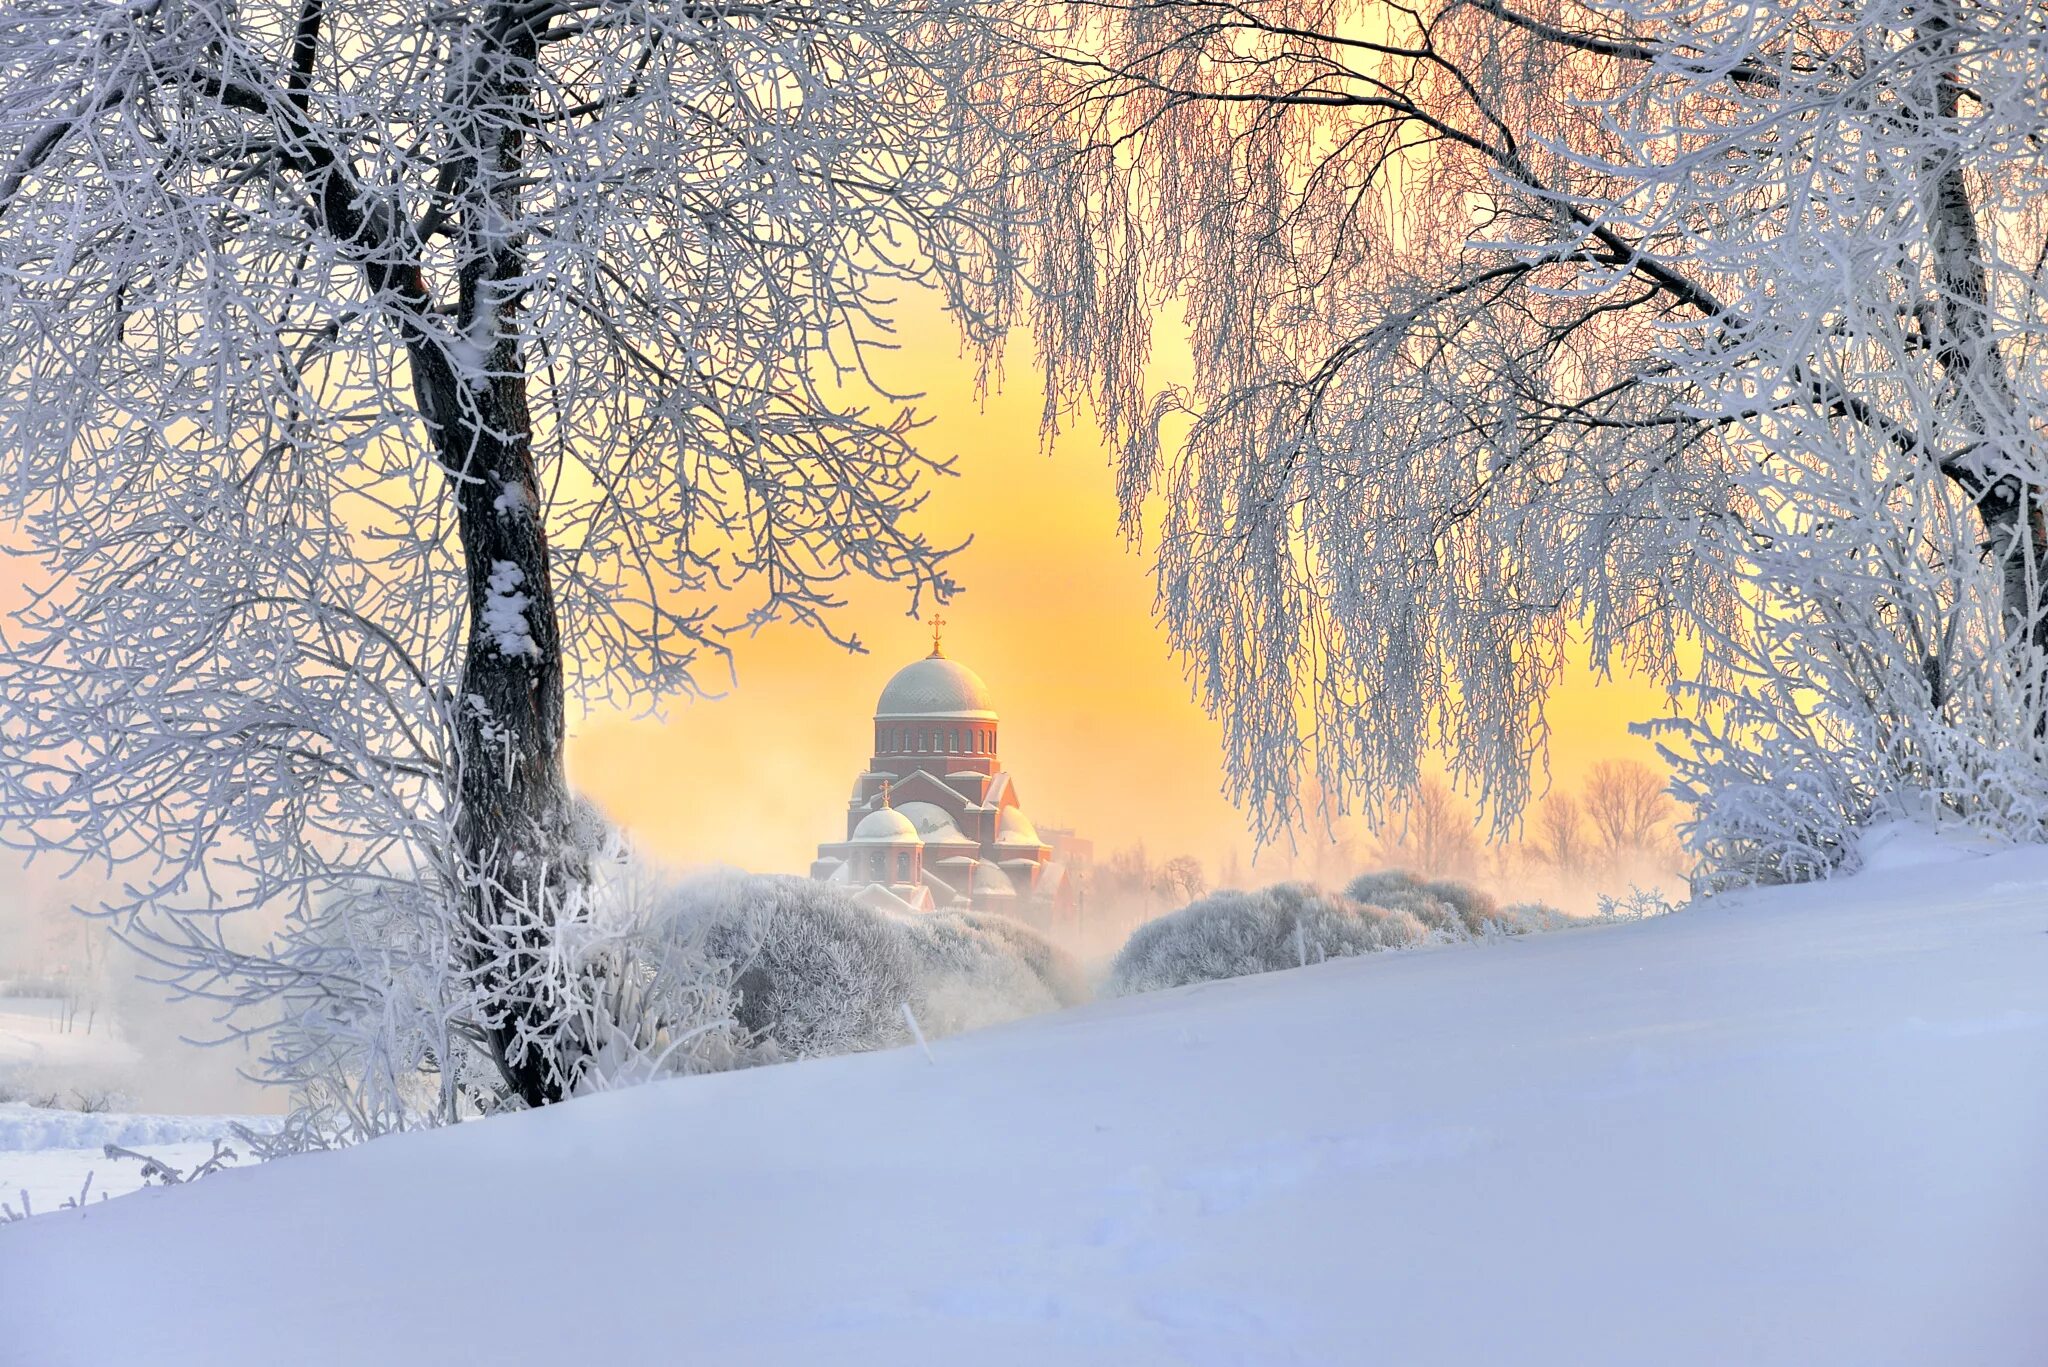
(380, 379)
(1707, 330)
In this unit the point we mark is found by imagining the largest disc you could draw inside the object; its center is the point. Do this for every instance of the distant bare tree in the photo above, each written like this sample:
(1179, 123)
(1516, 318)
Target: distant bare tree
(1561, 840)
(1436, 834)
(1627, 803)
(1180, 880)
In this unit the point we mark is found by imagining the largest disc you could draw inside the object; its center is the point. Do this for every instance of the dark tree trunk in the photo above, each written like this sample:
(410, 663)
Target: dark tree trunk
(513, 826)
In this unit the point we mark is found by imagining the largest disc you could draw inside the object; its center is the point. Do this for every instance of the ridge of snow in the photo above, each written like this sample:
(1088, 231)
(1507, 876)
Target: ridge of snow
(27, 1129)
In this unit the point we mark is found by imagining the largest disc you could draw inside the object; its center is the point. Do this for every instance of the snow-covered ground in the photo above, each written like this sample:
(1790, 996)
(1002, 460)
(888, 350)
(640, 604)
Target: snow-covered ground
(46, 1155)
(1807, 1126)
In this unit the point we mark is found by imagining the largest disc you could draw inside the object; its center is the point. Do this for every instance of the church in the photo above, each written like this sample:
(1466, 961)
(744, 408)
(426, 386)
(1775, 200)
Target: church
(935, 821)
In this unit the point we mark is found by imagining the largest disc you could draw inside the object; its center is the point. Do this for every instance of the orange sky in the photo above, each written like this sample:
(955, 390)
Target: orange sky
(1098, 727)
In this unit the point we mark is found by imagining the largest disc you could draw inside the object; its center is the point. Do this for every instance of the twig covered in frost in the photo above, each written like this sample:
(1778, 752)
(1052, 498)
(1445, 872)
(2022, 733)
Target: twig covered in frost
(910, 1019)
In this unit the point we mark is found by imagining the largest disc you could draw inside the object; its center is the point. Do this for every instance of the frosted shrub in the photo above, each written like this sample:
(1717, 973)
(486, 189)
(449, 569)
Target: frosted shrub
(981, 968)
(1232, 934)
(812, 971)
(627, 1000)
(1638, 904)
(1449, 909)
(1056, 969)
(1523, 918)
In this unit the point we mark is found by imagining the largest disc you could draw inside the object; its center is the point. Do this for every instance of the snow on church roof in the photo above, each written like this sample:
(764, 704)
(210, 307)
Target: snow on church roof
(936, 687)
(934, 824)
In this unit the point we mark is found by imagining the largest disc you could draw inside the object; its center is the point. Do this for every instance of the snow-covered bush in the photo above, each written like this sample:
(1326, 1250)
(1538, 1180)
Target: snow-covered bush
(13, 1093)
(981, 968)
(1523, 918)
(1232, 934)
(387, 1036)
(813, 972)
(1058, 971)
(1451, 910)
(1636, 905)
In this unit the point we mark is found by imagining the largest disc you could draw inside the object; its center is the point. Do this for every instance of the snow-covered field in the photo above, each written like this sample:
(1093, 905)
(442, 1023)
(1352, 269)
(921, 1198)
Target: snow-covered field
(1807, 1126)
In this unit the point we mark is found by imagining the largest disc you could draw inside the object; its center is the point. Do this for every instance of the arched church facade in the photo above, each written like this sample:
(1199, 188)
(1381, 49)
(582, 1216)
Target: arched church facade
(935, 822)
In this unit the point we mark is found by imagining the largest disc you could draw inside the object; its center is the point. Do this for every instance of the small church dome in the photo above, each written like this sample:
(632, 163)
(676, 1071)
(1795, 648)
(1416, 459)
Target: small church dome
(1015, 828)
(885, 827)
(936, 687)
(990, 881)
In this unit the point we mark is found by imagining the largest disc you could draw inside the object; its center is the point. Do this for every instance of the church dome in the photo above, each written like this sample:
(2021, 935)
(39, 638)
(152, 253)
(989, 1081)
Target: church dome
(936, 687)
(990, 881)
(1015, 828)
(886, 826)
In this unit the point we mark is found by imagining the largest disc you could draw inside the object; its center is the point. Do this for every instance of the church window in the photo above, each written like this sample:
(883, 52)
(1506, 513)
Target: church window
(903, 866)
(953, 742)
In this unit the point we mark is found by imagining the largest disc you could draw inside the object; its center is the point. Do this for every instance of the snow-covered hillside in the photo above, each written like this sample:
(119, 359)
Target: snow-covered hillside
(1808, 1126)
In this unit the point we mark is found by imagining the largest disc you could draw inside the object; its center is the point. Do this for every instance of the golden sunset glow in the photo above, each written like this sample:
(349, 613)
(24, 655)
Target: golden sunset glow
(1099, 729)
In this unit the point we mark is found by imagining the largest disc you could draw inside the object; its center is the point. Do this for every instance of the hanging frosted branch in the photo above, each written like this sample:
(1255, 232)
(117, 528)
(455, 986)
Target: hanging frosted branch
(1708, 332)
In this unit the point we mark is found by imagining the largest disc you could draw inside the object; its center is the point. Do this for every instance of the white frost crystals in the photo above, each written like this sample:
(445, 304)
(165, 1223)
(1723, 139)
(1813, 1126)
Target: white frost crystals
(505, 611)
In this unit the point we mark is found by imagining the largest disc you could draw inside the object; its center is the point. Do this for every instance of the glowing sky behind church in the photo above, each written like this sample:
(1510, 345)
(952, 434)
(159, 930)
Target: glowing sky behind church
(1099, 730)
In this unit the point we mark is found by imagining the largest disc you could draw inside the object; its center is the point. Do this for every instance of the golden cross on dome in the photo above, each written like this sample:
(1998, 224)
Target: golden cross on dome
(937, 623)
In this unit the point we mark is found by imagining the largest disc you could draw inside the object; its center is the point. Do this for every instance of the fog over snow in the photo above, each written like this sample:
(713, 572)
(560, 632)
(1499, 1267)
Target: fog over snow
(1796, 1126)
